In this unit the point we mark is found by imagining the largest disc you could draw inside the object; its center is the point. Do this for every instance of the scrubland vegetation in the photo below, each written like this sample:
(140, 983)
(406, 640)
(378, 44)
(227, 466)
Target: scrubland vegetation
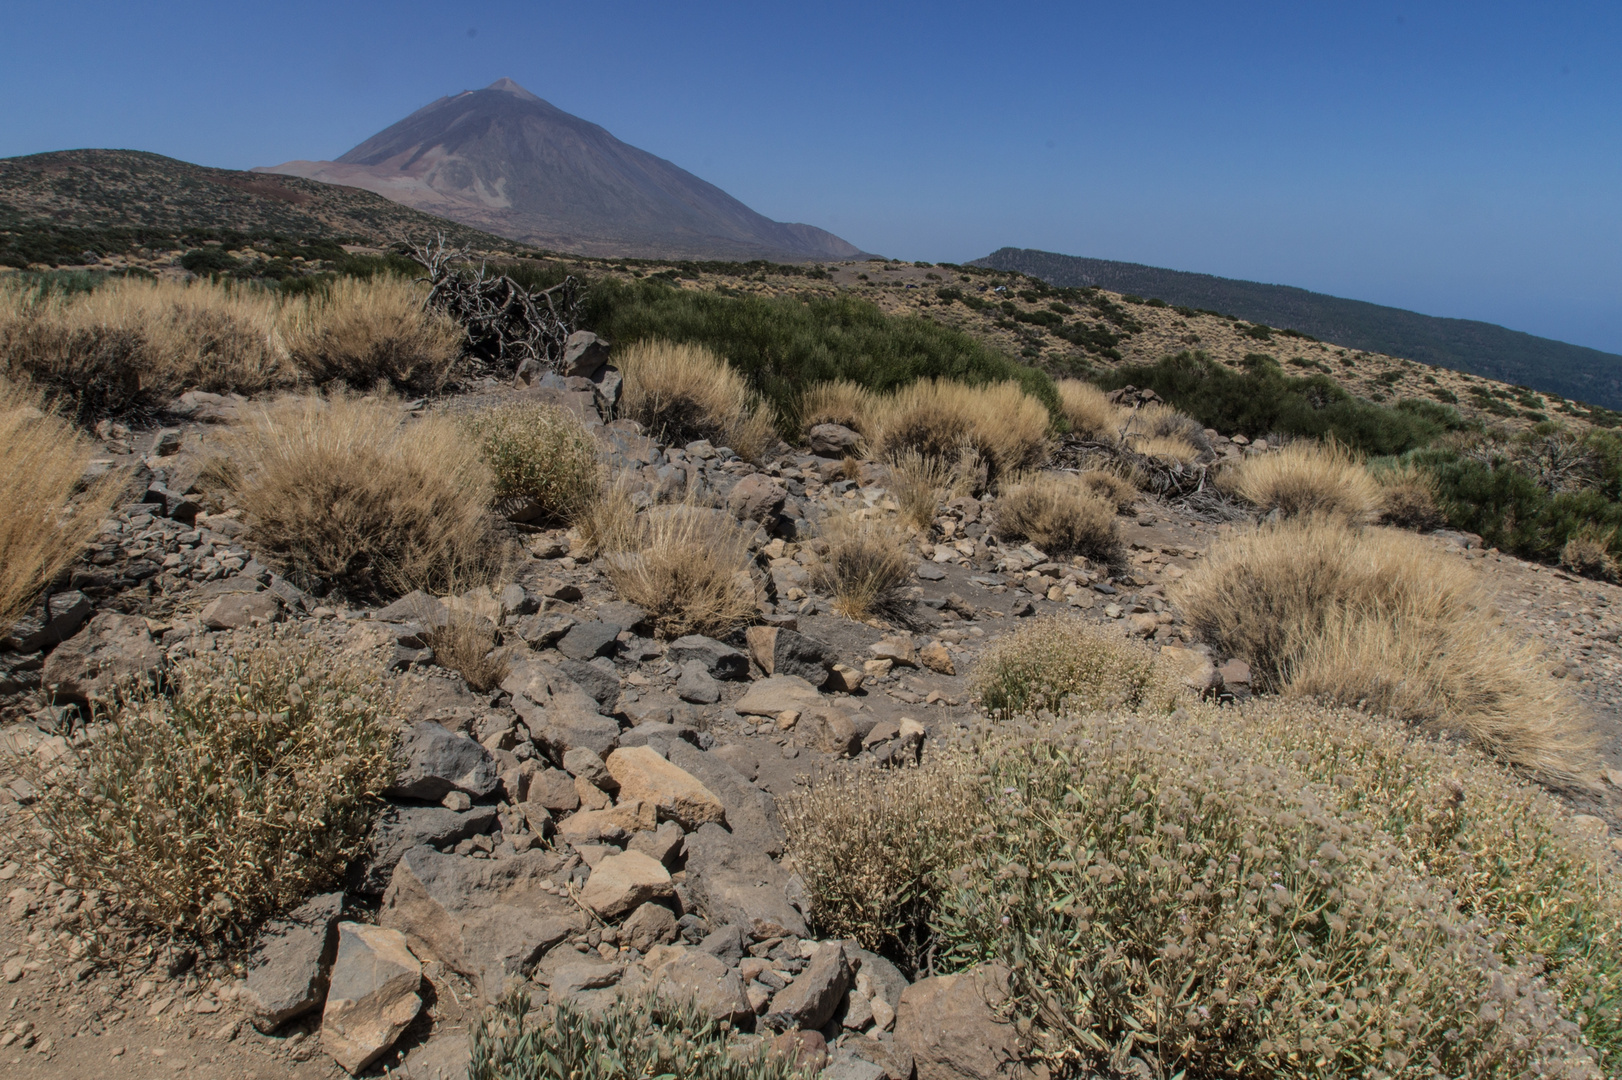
(48, 518)
(683, 392)
(1061, 664)
(1061, 514)
(685, 565)
(864, 565)
(246, 786)
(542, 459)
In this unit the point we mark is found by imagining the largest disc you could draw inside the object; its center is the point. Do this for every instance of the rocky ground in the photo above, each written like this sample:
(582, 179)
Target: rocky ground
(607, 819)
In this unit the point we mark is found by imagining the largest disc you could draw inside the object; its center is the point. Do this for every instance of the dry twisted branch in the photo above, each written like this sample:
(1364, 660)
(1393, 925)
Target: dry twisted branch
(507, 325)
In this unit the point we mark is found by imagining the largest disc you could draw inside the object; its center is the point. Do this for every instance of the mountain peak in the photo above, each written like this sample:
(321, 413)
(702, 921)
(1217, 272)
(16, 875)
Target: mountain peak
(508, 86)
(512, 164)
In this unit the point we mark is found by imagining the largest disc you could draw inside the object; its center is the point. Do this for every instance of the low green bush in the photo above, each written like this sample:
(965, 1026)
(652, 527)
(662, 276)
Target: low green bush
(634, 1039)
(1260, 399)
(784, 344)
(540, 455)
(1062, 663)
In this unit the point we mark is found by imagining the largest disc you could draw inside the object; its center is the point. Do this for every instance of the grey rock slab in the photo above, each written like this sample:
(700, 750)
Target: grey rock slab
(111, 649)
(696, 685)
(780, 651)
(415, 607)
(438, 762)
(720, 660)
(649, 925)
(778, 694)
(58, 619)
(287, 970)
(663, 843)
(883, 977)
(811, 1000)
(545, 631)
(602, 685)
(951, 1026)
(559, 714)
(589, 639)
(400, 828)
(372, 997)
(624, 616)
(731, 881)
(713, 988)
(241, 610)
(620, 884)
(489, 919)
(832, 440)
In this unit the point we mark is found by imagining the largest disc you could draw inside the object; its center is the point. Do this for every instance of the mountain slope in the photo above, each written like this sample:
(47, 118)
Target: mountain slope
(54, 206)
(1480, 348)
(503, 160)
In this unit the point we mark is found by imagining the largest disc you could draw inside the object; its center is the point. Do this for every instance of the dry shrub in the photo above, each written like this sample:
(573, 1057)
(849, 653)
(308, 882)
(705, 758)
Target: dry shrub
(919, 484)
(45, 527)
(342, 493)
(685, 565)
(1156, 420)
(362, 331)
(1061, 663)
(1307, 478)
(466, 644)
(1174, 890)
(132, 342)
(1059, 514)
(1006, 427)
(865, 568)
(1118, 490)
(246, 789)
(682, 393)
(1589, 553)
(1166, 448)
(543, 460)
(1089, 410)
(1407, 498)
(874, 847)
(1384, 618)
(838, 401)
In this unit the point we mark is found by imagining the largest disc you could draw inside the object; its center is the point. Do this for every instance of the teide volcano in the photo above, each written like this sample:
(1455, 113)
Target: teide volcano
(505, 161)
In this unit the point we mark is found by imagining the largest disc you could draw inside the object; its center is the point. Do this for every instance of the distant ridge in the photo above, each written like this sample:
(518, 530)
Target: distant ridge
(1480, 348)
(503, 160)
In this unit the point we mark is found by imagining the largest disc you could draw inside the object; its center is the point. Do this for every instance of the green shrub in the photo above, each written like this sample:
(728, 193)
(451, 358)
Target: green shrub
(634, 1039)
(244, 790)
(781, 345)
(1060, 663)
(541, 455)
(1174, 890)
(1261, 399)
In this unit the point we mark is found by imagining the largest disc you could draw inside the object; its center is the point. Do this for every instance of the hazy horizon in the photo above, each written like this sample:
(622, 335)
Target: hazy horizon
(1454, 160)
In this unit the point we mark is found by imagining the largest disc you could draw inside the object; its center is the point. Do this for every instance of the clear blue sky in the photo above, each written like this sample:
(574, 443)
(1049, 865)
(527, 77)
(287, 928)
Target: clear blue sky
(1458, 159)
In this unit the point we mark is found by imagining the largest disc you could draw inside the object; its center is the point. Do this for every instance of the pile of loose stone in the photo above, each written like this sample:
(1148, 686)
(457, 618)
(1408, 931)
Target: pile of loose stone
(606, 820)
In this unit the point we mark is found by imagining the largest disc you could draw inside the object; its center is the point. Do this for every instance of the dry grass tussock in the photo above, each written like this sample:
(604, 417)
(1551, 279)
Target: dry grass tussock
(1117, 490)
(838, 401)
(1007, 428)
(1383, 618)
(1088, 409)
(48, 519)
(1408, 498)
(343, 493)
(920, 483)
(466, 644)
(1212, 892)
(243, 791)
(358, 332)
(1589, 554)
(873, 846)
(543, 460)
(1307, 478)
(1064, 664)
(685, 392)
(865, 566)
(132, 341)
(1060, 514)
(685, 565)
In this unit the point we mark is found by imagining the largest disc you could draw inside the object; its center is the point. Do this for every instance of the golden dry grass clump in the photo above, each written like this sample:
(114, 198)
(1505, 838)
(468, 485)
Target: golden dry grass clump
(685, 392)
(1307, 478)
(1589, 554)
(684, 564)
(864, 567)
(873, 848)
(937, 418)
(1089, 410)
(360, 331)
(1117, 490)
(543, 460)
(247, 787)
(1063, 664)
(1059, 513)
(48, 519)
(1214, 892)
(130, 341)
(838, 401)
(1407, 498)
(919, 484)
(1384, 619)
(345, 493)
